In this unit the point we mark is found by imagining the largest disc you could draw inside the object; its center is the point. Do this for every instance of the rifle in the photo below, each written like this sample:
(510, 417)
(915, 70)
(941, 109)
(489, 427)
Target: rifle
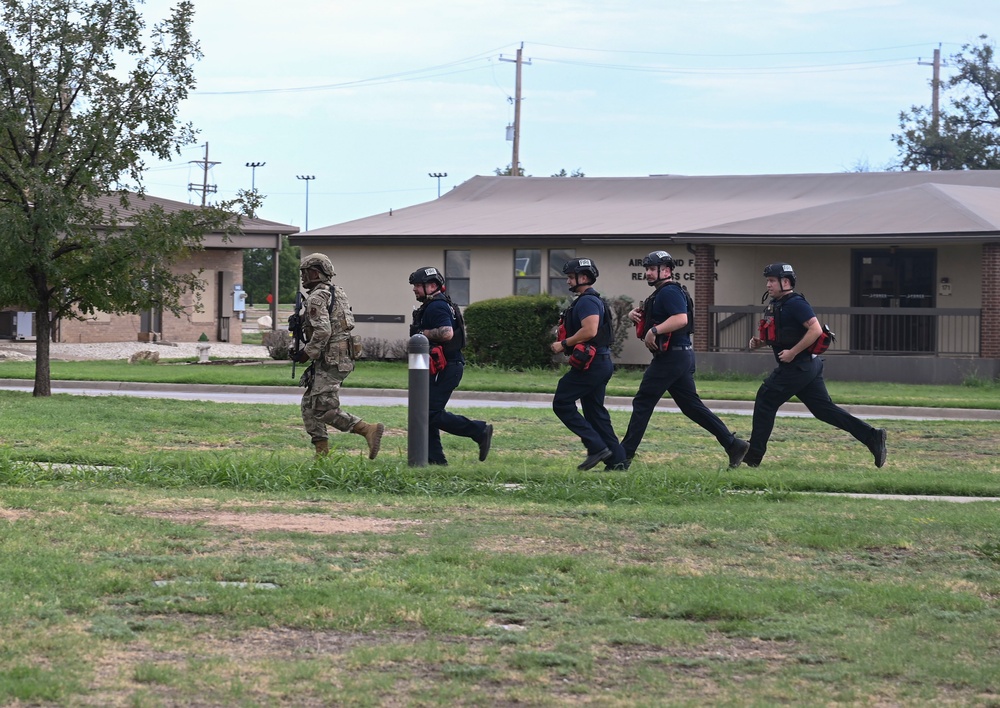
(295, 331)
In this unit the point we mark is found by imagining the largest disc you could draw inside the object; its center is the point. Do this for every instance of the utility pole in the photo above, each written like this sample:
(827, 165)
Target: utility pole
(935, 88)
(205, 187)
(308, 179)
(515, 170)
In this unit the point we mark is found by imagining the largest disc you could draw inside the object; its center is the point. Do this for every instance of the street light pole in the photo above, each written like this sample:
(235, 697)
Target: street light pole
(308, 179)
(439, 175)
(253, 174)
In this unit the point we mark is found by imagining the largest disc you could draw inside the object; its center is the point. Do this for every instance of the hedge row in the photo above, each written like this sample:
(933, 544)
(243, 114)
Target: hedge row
(512, 332)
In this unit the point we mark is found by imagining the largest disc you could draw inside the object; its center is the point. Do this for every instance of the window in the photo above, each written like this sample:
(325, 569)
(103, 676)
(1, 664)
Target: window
(557, 279)
(527, 271)
(456, 275)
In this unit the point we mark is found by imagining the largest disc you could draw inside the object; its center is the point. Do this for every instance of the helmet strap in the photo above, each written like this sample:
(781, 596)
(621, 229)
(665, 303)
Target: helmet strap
(661, 280)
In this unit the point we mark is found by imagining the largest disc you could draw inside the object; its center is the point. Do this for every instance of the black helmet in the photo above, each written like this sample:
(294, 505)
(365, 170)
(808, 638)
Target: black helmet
(779, 271)
(658, 258)
(428, 274)
(581, 265)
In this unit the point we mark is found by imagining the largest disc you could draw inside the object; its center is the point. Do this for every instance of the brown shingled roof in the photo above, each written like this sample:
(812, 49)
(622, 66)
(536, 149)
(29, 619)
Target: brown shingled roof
(752, 207)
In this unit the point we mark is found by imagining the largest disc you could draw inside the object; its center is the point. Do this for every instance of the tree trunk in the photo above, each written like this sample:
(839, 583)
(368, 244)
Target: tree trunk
(43, 337)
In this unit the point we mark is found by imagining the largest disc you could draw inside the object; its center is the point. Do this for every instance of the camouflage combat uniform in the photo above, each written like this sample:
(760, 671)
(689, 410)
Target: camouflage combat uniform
(328, 346)
(327, 327)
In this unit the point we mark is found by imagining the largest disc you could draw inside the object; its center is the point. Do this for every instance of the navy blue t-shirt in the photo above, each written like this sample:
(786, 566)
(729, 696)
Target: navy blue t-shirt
(584, 307)
(795, 312)
(670, 300)
(438, 313)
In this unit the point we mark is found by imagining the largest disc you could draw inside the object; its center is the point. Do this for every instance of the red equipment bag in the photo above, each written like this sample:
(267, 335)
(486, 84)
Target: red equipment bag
(823, 342)
(437, 360)
(582, 356)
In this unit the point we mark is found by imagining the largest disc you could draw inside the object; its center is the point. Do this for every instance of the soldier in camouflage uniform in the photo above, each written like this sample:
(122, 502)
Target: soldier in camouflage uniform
(329, 348)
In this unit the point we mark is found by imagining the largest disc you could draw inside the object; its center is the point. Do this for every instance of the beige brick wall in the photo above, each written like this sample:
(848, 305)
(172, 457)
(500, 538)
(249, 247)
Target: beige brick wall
(186, 328)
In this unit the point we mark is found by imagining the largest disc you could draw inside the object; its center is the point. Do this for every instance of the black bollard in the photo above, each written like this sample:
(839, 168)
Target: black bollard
(419, 350)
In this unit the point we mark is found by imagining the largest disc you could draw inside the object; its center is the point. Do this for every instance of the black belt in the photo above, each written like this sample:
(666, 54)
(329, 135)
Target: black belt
(682, 348)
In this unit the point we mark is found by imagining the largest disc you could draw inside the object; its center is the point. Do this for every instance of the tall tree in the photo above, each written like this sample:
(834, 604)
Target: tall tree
(85, 92)
(258, 278)
(508, 171)
(967, 135)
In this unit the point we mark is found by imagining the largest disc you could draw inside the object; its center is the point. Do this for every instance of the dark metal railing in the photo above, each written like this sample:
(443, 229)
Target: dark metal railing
(928, 331)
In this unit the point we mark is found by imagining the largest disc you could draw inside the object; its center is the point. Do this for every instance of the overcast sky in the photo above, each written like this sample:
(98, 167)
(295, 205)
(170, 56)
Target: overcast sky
(369, 96)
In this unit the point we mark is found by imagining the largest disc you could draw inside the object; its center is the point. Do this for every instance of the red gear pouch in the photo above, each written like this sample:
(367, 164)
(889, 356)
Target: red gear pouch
(767, 331)
(640, 326)
(582, 356)
(824, 341)
(438, 361)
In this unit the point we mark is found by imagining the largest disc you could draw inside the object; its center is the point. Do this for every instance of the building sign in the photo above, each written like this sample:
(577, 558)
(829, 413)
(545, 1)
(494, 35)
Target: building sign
(683, 269)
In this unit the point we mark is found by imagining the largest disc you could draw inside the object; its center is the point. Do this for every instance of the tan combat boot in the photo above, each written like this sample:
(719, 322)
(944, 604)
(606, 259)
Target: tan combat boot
(322, 447)
(373, 434)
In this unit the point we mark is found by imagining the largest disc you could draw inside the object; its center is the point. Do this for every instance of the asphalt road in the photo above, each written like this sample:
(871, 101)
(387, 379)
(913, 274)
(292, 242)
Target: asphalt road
(290, 395)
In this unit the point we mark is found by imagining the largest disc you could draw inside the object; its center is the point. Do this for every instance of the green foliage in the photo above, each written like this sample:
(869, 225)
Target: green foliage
(508, 171)
(966, 136)
(513, 332)
(84, 101)
(973, 381)
(257, 278)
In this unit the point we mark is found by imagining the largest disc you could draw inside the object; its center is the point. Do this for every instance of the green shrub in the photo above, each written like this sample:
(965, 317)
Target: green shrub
(512, 332)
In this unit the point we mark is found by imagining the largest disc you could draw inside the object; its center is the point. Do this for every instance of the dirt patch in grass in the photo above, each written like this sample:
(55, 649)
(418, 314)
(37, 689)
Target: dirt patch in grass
(269, 521)
(240, 657)
(315, 517)
(11, 514)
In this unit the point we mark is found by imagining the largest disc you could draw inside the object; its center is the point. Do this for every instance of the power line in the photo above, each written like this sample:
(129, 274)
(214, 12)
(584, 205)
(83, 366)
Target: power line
(451, 68)
(415, 74)
(740, 55)
(813, 68)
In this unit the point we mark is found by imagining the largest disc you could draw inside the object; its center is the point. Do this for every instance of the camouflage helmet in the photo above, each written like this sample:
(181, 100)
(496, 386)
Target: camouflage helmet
(321, 263)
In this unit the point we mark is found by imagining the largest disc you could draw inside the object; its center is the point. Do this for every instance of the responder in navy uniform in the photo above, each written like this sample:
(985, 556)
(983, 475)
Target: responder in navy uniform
(440, 320)
(587, 321)
(798, 373)
(666, 332)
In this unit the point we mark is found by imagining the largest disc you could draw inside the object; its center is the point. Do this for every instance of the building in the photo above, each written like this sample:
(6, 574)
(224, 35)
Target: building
(213, 312)
(904, 266)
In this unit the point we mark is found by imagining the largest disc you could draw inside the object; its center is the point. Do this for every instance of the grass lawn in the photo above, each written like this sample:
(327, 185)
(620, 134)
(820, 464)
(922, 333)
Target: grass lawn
(160, 552)
(976, 394)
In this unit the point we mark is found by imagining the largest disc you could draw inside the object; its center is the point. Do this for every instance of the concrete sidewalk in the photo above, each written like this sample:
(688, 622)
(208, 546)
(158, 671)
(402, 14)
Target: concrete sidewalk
(290, 395)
